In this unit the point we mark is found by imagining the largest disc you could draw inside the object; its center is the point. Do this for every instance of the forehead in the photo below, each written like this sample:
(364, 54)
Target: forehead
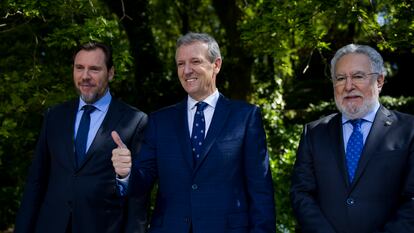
(195, 49)
(353, 62)
(96, 56)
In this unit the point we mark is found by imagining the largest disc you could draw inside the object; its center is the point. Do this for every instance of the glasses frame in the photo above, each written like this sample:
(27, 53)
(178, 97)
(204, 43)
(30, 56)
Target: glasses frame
(356, 78)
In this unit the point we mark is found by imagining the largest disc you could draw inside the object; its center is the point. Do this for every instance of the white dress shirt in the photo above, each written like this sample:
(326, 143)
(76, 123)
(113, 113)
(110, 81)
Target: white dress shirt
(211, 100)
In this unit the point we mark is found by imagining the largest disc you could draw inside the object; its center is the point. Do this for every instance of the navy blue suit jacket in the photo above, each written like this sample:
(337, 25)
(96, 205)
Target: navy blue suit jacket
(229, 190)
(381, 198)
(57, 191)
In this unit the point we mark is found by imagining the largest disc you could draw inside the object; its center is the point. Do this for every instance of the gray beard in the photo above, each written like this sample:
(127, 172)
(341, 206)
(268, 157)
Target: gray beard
(353, 112)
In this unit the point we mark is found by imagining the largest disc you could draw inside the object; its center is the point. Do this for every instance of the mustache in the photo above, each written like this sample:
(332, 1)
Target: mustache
(352, 94)
(85, 82)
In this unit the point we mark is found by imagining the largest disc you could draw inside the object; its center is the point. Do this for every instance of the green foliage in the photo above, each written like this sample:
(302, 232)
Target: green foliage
(38, 39)
(402, 104)
(292, 39)
(288, 44)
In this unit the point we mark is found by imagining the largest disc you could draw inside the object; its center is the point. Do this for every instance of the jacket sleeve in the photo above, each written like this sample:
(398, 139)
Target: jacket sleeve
(258, 176)
(139, 186)
(402, 220)
(303, 189)
(36, 184)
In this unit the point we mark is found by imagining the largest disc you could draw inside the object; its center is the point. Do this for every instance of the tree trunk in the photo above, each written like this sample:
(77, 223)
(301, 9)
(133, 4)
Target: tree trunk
(134, 18)
(238, 66)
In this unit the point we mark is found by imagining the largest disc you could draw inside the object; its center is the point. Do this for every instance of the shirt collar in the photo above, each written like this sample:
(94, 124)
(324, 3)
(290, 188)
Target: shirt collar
(102, 104)
(211, 100)
(368, 117)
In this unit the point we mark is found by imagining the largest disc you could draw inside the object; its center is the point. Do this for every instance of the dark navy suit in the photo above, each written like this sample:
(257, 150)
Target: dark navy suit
(229, 190)
(57, 192)
(381, 198)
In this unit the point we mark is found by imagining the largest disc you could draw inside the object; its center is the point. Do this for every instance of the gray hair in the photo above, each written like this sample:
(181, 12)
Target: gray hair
(377, 63)
(192, 37)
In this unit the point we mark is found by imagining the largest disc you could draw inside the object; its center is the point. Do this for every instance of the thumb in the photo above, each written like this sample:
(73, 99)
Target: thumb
(117, 140)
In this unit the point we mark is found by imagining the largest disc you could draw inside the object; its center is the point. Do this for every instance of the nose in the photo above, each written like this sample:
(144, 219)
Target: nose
(188, 69)
(85, 74)
(349, 84)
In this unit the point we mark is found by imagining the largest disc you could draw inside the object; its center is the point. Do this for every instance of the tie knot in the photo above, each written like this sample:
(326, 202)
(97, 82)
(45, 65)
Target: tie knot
(201, 106)
(88, 109)
(356, 123)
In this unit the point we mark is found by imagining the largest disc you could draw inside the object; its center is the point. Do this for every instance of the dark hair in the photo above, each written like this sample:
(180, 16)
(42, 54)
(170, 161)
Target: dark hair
(92, 45)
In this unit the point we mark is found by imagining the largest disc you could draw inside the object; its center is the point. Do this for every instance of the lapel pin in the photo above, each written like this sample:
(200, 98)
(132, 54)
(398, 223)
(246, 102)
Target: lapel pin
(387, 123)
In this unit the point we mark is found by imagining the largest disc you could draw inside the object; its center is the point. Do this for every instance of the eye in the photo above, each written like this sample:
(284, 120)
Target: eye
(358, 76)
(78, 67)
(196, 61)
(95, 69)
(340, 78)
(180, 64)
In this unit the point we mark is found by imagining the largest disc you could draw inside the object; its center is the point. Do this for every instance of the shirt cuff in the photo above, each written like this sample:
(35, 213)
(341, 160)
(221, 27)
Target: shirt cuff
(122, 184)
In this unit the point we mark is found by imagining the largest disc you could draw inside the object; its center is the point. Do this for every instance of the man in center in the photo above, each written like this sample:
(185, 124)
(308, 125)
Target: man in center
(207, 152)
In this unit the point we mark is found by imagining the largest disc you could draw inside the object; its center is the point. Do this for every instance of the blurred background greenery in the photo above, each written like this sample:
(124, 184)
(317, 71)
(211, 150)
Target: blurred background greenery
(276, 55)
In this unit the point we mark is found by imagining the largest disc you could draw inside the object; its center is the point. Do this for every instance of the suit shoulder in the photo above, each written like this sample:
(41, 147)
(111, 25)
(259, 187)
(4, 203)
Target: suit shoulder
(128, 108)
(242, 104)
(323, 121)
(59, 107)
(403, 116)
(167, 109)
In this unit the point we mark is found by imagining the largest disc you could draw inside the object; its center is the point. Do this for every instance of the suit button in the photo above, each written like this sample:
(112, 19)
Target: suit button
(194, 186)
(350, 201)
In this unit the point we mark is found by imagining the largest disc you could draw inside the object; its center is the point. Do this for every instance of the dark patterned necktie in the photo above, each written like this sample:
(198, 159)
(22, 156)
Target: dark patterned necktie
(354, 148)
(82, 134)
(199, 127)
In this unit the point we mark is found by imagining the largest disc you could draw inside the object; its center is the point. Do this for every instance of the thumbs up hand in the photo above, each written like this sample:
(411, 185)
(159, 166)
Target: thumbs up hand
(121, 157)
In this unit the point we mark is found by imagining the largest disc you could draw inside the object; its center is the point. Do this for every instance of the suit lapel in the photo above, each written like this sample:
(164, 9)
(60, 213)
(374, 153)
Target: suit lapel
(112, 117)
(220, 116)
(379, 129)
(68, 131)
(337, 144)
(183, 132)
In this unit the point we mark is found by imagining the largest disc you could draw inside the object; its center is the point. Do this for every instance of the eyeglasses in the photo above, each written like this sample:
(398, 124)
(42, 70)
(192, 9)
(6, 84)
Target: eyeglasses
(356, 78)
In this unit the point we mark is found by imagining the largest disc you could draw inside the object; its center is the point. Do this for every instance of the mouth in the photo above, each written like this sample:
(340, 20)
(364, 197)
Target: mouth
(352, 97)
(86, 86)
(191, 79)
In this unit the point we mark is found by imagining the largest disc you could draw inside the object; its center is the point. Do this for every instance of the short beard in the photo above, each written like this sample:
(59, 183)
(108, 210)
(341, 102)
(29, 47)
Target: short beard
(90, 99)
(352, 111)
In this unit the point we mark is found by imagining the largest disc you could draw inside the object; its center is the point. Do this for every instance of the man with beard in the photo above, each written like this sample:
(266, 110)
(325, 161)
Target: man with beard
(354, 171)
(72, 186)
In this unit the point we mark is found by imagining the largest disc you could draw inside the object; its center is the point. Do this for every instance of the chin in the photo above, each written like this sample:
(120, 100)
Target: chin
(89, 99)
(354, 111)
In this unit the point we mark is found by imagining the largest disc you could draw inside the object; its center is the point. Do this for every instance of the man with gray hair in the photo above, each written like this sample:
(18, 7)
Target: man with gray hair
(207, 152)
(354, 170)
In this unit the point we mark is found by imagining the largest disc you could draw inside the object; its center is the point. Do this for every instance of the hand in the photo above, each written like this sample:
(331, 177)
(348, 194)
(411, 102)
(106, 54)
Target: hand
(121, 157)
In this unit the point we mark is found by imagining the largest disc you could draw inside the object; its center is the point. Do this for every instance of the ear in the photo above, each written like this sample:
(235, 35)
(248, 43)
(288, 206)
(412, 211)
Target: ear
(111, 73)
(380, 82)
(217, 65)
